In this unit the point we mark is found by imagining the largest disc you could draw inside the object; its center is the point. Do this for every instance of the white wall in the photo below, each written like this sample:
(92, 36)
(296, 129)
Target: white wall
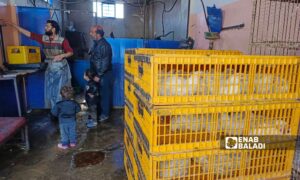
(176, 20)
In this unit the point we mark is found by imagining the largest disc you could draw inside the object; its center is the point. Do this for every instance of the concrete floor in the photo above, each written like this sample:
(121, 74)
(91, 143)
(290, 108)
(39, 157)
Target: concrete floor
(45, 161)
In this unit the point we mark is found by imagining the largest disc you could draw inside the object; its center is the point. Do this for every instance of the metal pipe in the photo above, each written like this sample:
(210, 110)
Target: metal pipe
(188, 19)
(24, 94)
(17, 96)
(2, 46)
(145, 19)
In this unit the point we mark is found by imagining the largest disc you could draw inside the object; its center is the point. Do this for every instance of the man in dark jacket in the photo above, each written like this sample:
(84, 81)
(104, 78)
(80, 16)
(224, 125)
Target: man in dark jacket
(101, 63)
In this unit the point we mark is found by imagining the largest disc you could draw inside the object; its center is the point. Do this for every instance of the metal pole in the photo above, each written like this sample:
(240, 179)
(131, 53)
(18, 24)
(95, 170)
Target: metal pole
(24, 94)
(188, 20)
(17, 96)
(2, 45)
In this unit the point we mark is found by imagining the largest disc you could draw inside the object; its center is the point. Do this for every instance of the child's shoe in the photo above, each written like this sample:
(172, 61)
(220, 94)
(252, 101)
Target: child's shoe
(61, 146)
(72, 145)
(91, 123)
(95, 123)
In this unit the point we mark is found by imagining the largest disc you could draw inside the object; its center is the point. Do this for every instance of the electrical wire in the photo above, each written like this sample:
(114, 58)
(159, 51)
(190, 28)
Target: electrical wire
(205, 15)
(163, 13)
(141, 7)
(172, 7)
(33, 2)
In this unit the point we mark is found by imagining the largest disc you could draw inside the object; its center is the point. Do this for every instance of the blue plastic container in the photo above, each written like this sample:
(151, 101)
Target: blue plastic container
(215, 19)
(78, 68)
(8, 102)
(35, 88)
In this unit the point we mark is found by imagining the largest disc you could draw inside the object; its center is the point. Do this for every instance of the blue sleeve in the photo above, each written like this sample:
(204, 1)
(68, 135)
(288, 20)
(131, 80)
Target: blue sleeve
(77, 108)
(54, 111)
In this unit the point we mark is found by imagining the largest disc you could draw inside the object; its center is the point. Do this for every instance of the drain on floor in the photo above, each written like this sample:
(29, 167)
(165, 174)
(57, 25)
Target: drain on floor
(88, 158)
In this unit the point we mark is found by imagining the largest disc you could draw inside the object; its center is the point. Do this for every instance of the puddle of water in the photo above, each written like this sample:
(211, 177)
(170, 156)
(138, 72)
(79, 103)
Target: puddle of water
(88, 158)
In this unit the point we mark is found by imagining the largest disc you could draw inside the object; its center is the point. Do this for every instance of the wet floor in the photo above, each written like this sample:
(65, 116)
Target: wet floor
(46, 161)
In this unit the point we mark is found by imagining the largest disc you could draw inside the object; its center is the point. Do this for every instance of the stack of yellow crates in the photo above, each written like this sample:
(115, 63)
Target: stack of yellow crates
(181, 104)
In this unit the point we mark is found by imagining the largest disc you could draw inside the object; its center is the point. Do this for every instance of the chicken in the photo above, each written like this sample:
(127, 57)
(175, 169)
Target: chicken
(268, 83)
(269, 127)
(210, 81)
(232, 123)
(280, 85)
(202, 122)
(178, 84)
(222, 164)
(235, 84)
(172, 84)
(196, 84)
(235, 124)
(174, 168)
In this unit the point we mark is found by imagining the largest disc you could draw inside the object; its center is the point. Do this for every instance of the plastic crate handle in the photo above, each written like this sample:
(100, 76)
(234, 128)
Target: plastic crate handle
(129, 105)
(141, 109)
(128, 141)
(129, 164)
(33, 51)
(139, 147)
(129, 59)
(141, 70)
(129, 87)
(15, 51)
(128, 131)
(130, 114)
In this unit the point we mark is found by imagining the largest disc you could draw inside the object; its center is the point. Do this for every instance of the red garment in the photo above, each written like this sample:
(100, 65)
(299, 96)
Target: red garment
(39, 38)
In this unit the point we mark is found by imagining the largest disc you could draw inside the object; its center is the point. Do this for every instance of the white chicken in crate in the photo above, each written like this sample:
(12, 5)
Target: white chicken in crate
(231, 123)
(174, 168)
(223, 165)
(191, 122)
(234, 84)
(268, 83)
(181, 84)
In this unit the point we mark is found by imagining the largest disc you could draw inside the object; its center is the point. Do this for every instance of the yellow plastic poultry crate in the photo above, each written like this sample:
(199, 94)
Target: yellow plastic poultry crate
(181, 128)
(191, 79)
(130, 64)
(219, 164)
(23, 54)
(129, 87)
(182, 51)
(274, 163)
(128, 125)
(131, 153)
(130, 148)
(128, 166)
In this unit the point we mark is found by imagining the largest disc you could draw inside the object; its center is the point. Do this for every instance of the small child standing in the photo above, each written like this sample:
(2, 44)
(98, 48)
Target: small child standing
(91, 97)
(66, 111)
